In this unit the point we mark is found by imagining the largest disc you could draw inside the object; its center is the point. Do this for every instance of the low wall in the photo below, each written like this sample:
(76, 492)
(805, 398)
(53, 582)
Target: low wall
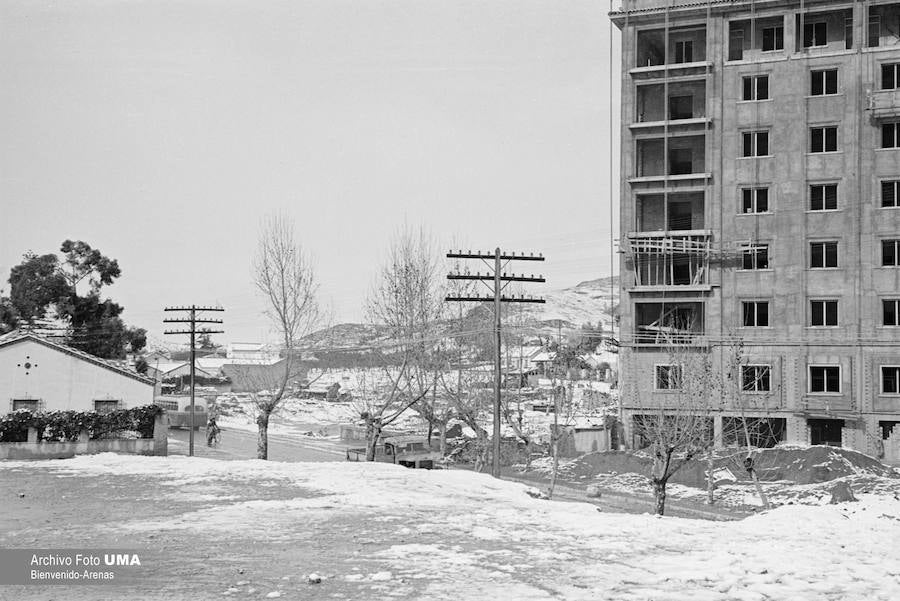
(158, 445)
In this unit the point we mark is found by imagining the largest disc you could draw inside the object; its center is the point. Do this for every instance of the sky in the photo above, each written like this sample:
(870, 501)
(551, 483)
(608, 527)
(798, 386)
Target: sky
(161, 132)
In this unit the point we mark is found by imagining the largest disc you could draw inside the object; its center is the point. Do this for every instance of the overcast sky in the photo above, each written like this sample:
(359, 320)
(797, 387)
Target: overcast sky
(162, 131)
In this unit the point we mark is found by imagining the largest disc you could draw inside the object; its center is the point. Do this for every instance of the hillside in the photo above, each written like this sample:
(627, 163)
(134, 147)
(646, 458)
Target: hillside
(565, 309)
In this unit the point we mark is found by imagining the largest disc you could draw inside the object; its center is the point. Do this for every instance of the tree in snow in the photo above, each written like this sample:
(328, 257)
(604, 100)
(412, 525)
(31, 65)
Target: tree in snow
(283, 273)
(680, 428)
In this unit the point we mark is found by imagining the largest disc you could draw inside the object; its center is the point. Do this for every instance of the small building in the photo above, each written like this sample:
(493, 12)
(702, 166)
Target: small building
(40, 374)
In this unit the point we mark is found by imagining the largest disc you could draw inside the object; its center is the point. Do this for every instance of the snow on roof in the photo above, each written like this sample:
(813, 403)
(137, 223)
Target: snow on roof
(18, 336)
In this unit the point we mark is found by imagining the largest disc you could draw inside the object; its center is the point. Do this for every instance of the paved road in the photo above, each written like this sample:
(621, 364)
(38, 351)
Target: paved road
(241, 444)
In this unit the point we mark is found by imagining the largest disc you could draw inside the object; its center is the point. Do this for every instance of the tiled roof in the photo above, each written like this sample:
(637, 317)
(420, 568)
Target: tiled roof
(17, 336)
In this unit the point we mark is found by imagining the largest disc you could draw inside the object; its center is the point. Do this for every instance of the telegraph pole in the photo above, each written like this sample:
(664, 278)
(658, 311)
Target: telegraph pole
(193, 320)
(498, 279)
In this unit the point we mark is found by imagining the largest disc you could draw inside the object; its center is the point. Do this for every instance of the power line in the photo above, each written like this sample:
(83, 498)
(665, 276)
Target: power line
(499, 280)
(193, 320)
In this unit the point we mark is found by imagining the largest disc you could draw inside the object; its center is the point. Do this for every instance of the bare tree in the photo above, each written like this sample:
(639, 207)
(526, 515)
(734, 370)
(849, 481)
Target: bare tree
(408, 300)
(284, 274)
(681, 428)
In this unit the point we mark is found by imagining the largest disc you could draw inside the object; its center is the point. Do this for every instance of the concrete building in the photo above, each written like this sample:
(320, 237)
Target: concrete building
(42, 375)
(760, 209)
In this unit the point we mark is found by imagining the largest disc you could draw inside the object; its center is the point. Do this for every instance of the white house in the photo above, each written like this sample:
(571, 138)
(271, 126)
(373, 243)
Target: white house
(250, 353)
(42, 375)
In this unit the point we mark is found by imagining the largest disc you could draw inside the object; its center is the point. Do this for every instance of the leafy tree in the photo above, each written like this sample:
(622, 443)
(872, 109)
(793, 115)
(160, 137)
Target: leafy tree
(44, 283)
(9, 320)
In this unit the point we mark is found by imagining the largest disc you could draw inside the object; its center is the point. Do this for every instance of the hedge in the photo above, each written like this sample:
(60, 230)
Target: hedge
(66, 426)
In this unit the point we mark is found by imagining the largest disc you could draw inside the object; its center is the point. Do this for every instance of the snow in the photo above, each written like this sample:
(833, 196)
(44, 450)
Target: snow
(467, 535)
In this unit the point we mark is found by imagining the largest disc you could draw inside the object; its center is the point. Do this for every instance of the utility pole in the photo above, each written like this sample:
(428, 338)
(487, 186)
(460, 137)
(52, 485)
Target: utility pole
(498, 279)
(193, 320)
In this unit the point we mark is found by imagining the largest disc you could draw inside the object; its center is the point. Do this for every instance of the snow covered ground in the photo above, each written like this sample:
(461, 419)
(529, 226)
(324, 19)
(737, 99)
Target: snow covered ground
(448, 534)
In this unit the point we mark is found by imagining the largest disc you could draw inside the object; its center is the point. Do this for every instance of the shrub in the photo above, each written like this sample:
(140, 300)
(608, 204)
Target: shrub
(66, 426)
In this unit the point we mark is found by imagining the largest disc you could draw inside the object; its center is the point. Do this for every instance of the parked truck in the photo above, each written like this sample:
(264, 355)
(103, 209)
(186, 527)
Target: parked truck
(408, 451)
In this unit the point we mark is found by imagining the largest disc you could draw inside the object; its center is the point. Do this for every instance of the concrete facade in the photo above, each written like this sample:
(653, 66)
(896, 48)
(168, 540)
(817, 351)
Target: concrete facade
(721, 250)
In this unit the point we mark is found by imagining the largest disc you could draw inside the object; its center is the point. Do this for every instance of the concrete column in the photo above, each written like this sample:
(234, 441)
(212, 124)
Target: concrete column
(161, 435)
(718, 440)
(32, 435)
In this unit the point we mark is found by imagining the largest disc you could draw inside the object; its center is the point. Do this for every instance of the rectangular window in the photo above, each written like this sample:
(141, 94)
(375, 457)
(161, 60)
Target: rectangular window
(754, 200)
(890, 76)
(756, 87)
(105, 406)
(890, 253)
(824, 378)
(890, 312)
(823, 82)
(756, 314)
(684, 51)
(773, 38)
(668, 377)
(755, 256)
(25, 404)
(823, 313)
(890, 135)
(890, 379)
(756, 143)
(681, 161)
(874, 31)
(681, 107)
(756, 378)
(823, 254)
(890, 193)
(823, 139)
(823, 197)
(848, 33)
(815, 34)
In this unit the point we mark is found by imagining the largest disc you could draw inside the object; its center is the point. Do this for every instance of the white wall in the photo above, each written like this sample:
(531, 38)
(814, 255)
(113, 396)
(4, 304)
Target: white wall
(63, 381)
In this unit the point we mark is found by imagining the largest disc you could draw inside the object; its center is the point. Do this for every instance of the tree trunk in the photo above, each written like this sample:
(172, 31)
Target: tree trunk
(555, 446)
(443, 439)
(373, 433)
(710, 479)
(262, 442)
(430, 431)
(659, 491)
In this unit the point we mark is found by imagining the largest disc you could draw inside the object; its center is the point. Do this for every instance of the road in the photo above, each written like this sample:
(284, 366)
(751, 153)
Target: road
(241, 444)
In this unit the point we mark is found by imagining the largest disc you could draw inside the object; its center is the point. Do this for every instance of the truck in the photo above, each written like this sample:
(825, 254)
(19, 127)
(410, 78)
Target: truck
(408, 451)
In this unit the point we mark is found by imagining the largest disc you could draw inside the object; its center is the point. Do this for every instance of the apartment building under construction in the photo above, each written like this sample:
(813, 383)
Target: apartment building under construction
(760, 211)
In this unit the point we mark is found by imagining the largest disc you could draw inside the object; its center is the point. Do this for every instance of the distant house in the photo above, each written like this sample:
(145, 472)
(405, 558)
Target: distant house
(39, 374)
(176, 369)
(252, 352)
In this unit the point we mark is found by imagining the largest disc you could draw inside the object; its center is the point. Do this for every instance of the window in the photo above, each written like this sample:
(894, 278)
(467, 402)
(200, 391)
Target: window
(890, 193)
(25, 404)
(824, 378)
(823, 313)
(890, 76)
(815, 34)
(848, 33)
(773, 38)
(890, 379)
(755, 256)
(823, 139)
(823, 82)
(684, 51)
(823, 197)
(754, 200)
(756, 314)
(890, 311)
(756, 378)
(681, 107)
(756, 87)
(756, 143)
(823, 255)
(890, 253)
(668, 377)
(105, 406)
(681, 161)
(167, 405)
(890, 135)
(874, 30)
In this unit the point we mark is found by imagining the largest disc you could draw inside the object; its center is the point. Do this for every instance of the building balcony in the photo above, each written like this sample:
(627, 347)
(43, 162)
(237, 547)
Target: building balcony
(668, 261)
(676, 157)
(681, 52)
(883, 104)
(836, 407)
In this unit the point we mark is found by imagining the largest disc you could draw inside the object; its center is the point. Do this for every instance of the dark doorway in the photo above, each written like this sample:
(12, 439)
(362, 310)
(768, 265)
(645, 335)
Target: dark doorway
(825, 431)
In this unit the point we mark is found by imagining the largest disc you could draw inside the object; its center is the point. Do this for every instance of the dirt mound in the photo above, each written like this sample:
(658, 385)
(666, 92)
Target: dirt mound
(799, 465)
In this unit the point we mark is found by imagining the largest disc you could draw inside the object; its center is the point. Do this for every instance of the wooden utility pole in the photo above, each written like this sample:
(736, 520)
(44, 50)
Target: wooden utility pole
(193, 320)
(499, 280)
